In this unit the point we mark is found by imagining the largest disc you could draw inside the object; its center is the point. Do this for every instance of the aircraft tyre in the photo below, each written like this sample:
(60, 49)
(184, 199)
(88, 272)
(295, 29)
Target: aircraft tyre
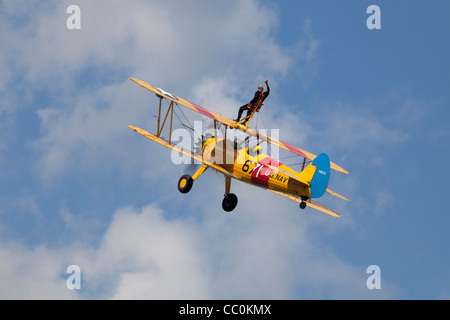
(302, 205)
(185, 183)
(229, 202)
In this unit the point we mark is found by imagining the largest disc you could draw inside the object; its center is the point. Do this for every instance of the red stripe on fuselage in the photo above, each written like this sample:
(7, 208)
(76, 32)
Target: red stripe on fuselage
(261, 174)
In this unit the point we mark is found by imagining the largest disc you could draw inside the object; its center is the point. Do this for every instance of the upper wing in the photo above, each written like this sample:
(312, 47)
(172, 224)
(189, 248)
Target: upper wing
(312, 204)
(233, 124)
(288, 147)
(181, 150)
(185, 103)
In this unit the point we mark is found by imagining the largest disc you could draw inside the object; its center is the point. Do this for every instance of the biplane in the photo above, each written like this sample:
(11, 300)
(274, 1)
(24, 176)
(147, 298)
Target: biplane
(243, 162)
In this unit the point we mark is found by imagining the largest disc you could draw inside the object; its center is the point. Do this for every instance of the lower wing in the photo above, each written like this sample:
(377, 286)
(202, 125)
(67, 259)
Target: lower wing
(178, 149)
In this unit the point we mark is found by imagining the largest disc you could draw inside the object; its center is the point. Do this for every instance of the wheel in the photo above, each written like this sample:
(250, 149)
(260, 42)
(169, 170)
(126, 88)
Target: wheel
(302, 205)
(185, 183)
(229, 202)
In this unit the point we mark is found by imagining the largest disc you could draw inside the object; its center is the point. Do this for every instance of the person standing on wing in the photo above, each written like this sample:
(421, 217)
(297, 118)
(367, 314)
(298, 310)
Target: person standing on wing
(260, 96)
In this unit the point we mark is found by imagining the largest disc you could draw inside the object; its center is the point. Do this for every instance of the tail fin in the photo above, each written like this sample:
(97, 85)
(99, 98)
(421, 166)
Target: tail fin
(317, 175)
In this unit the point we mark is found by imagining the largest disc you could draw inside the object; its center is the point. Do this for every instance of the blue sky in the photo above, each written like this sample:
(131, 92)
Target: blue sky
(78, 187)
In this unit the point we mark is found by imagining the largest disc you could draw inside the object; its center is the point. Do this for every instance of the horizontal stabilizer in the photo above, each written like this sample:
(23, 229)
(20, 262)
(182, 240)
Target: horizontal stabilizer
(312, 204)
(336, 195)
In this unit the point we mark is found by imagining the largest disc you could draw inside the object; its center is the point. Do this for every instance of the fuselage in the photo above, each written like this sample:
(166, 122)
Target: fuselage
(251, 166)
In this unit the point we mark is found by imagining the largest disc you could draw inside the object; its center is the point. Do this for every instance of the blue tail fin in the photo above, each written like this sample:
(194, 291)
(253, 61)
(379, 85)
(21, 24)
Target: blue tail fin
(321, 176)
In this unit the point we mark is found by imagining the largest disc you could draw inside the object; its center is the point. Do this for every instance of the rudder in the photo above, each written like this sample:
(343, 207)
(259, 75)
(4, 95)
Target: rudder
(321, 176)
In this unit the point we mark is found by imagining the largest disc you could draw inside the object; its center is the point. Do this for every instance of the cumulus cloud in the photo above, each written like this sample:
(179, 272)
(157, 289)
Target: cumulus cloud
(36, 273)
(172, 44)
(145, 254)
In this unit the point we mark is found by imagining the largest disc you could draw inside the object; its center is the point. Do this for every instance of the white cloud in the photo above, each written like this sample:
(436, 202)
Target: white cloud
(261, 251)
(149, 257)
(173, 43)
(87, 133)
(36, 273)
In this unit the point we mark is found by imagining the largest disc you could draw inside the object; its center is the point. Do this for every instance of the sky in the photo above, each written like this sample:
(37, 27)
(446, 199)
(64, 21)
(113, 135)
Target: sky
(78, 187)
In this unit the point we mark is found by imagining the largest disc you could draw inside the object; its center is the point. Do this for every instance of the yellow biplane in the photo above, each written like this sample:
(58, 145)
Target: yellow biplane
(245, 163)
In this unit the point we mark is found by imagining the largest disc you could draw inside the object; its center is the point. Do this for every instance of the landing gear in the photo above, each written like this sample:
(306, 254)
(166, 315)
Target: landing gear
(229, 202)
(303, 203)
(185, 183)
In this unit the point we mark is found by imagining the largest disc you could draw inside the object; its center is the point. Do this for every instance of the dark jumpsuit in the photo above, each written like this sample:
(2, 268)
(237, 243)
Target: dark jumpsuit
(252, 103)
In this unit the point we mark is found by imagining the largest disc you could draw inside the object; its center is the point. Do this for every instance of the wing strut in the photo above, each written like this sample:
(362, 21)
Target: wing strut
(161, 127)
